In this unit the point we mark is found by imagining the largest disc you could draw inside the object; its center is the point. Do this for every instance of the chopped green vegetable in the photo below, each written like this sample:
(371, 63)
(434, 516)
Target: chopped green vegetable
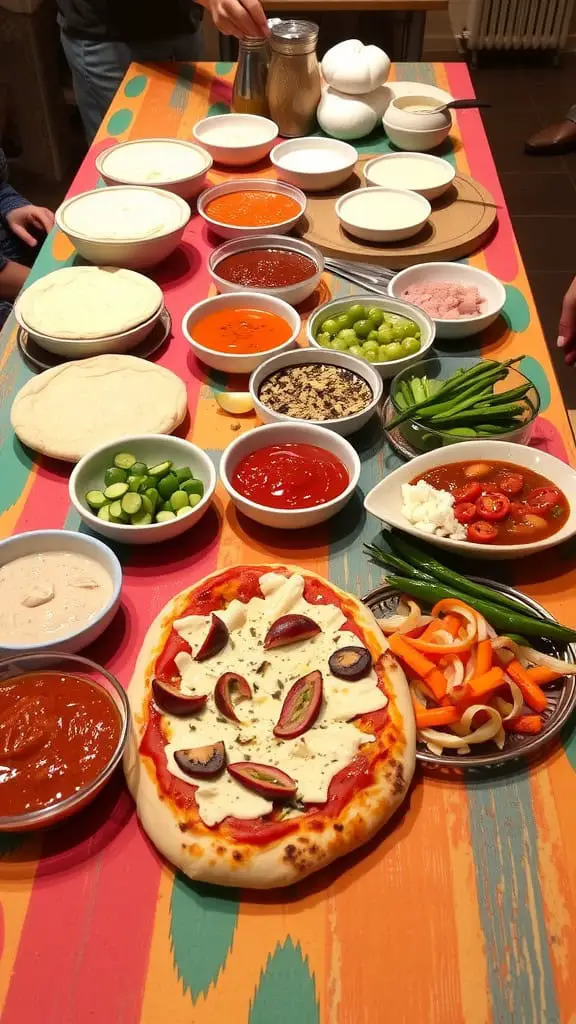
(104, 513)
(167, 485)
(141, 519)
(160, 469)
(179, 499)
(113, 475)
(165, 517)
(124, 460)
(131, 503)
(96, 499)
(139, 469)
(193, 499)
(137, 495)
(183, 511)
(115, 491)
(193, 487)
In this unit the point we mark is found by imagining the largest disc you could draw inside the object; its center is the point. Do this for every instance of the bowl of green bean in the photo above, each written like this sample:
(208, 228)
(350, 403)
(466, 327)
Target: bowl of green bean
(490, 400)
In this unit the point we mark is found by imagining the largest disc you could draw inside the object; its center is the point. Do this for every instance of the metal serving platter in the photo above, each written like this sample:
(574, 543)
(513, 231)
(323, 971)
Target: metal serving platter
(561, 695)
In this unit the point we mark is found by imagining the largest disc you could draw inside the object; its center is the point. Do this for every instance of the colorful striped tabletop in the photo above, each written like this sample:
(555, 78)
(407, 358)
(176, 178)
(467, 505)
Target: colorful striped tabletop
(464, 911)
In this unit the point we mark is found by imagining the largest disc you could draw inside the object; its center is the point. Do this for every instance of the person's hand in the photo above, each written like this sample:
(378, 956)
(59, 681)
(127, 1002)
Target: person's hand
(240, 18)
(30, 218)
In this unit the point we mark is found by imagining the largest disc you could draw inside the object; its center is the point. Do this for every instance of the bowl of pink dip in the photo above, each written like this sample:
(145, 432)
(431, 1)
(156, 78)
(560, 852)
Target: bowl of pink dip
(461, 300)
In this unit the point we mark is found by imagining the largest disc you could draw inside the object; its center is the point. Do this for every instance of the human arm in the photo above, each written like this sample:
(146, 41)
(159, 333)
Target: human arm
(12, 278)
(25, 219)
(567, 325)
(10, 199)
(240, 18)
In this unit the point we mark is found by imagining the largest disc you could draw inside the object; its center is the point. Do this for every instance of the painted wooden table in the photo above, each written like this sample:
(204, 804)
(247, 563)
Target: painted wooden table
(463, 913)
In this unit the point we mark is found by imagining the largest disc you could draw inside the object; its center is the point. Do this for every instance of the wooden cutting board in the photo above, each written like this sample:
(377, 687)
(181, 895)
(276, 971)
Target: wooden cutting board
(461, 221)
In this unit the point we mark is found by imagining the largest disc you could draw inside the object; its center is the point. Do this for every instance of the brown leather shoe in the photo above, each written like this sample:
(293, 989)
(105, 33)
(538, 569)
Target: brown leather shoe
(557, 138)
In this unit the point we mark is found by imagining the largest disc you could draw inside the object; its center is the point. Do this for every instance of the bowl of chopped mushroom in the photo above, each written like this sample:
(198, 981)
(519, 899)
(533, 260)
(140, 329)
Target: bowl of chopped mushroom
(330, 389)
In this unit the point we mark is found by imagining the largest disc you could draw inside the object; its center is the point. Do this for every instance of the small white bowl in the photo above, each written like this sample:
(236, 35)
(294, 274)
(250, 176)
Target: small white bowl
(248, 185)
(345, 425)
(399, 115)
(489, 287)
(235, 153)
(390, 305)
(152, 449)
(229, 362)
(414, 141)
(289, 433)
(39, 541)
(445, 172)
(79, 348)
(385, 500)
(132, 253)
(292, 293)
(186, 186)
(344, 158)
(415, 221)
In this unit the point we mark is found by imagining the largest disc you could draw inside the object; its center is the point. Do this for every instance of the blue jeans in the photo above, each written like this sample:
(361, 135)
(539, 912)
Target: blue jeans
(99, 67)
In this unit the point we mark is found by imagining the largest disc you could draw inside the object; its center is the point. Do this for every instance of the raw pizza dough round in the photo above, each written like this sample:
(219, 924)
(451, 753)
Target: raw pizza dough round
(212, 854)
(71, 409)
(123, 213)
(88, 302)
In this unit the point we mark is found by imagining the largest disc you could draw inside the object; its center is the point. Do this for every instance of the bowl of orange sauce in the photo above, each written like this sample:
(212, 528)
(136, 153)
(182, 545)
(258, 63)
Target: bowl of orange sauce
(238, 208)
(238, 331)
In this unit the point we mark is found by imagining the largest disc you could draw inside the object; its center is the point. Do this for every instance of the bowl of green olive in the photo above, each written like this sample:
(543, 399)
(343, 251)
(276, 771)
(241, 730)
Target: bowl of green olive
(388, 333)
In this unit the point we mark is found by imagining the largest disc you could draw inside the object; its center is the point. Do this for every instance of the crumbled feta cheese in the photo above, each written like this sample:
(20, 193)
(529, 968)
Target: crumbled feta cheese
(431, 510)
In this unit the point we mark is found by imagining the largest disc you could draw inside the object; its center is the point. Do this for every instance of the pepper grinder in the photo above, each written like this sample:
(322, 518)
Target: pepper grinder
(294, 87)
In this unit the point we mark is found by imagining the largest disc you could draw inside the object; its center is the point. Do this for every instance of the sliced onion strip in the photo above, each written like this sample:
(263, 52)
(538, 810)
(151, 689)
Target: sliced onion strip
(528, 656)
(403, 622)
(487, 731)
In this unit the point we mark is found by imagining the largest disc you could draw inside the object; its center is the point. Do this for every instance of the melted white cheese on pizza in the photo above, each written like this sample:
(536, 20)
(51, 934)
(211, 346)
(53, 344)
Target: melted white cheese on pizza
(312, 759)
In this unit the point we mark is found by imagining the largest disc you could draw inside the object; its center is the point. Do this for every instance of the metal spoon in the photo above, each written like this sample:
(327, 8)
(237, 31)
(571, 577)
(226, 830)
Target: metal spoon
(471, 104)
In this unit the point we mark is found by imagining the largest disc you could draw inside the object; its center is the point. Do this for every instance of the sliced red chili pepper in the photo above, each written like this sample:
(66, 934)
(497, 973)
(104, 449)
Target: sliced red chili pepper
(481, 532)
(543, 499)
(215, 641)
(465, 512)
(290, 628)
(511, 483)
(301, 707)
(493, 507)
(228, 686)
(469, 492)
(170, 699)
(263, 779)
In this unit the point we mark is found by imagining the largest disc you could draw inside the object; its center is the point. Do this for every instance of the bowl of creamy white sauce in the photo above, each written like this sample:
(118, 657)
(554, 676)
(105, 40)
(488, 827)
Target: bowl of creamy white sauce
(428, 175)
(382, 214)
(236, 139)
(314, 164)
(175, 165)
(59, 591)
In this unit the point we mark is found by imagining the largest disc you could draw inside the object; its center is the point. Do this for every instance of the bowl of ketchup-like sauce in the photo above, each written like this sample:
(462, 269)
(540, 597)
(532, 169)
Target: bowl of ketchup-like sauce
(64, 724)
(291, 475)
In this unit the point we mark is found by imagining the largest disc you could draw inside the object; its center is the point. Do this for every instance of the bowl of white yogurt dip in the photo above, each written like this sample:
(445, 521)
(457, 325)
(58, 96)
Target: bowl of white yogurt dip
(428, 175)
(382, 214)
(59, 590)
(236, 139)
(314, 164)
(175, 165)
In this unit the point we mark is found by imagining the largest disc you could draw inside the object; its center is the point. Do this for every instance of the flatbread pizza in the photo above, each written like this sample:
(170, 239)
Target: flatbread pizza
(273, 731)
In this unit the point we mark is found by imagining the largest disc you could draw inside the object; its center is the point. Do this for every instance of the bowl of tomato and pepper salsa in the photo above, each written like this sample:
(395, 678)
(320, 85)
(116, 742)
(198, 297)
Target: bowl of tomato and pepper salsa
(63, 727)
(236, 332)
(290, 475)
(259, 207)
(506, 500)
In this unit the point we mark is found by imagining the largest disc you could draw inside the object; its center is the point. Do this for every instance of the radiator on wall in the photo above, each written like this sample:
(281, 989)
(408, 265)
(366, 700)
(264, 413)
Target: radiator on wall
(518, 24)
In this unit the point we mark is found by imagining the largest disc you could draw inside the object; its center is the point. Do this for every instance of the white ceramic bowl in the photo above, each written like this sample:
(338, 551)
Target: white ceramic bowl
(385, 500)
(292, 293)
(289, 433)
(390, 305)
(88, 475)
(251, 185)
(131, 253)
(415, 220)
(489, 287)
(186, 186)
(399, 115)
(343, 155)
(229, 362)
(412, 140)
(298, 357)
(443, 171)
(38, 541)
(78, 348)
(231, 151)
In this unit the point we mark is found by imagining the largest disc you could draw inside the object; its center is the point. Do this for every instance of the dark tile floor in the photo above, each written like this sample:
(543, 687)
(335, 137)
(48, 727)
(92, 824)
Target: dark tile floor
(540, 191)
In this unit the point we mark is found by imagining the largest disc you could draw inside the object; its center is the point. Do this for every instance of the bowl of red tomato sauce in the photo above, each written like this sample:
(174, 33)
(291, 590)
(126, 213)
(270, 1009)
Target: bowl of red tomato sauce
(482, 499)
(290, 476)
(259, 207)
(64, 723)
(236, 332)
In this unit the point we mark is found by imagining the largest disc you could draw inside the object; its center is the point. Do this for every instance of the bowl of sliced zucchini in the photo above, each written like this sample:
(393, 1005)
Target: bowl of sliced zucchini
(143, 489)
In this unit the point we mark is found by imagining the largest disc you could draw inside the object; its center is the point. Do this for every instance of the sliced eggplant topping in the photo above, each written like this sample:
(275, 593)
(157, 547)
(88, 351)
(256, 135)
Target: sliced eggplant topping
(263, 779)
(231, 689)
(300, 708)
(202, 762)
(288, 629)
(171, 700)
(350, 663)
(215, 641)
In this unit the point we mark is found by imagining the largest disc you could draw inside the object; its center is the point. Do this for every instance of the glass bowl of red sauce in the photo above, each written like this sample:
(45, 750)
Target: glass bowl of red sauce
(290, 476)
(258, 207)
(236, 332)
(275, 265)
(64, 723)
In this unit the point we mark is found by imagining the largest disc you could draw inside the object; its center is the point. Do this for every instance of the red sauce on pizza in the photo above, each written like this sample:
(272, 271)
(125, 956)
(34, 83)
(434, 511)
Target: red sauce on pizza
(215, 595)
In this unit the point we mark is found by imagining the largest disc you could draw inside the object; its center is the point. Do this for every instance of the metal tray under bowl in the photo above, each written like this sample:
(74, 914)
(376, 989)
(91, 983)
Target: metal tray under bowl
(561, 696)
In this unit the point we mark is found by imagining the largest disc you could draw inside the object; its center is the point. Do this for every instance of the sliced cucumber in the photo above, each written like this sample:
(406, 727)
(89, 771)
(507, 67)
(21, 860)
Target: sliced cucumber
(139, 469)
(96, 499)
(135, 482)
(141, 519)
(193, 486)
(131, 503)
(179, 499)
(115, 491)
(165, 517)
(113, 475)
(147, 505)
(124, 460)
(160, 469)
(149, 481)
(117, 513)
(167, 485)
(153, 496)
(183, 512)
(193, 499)
(183, 474)
(104, 513)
